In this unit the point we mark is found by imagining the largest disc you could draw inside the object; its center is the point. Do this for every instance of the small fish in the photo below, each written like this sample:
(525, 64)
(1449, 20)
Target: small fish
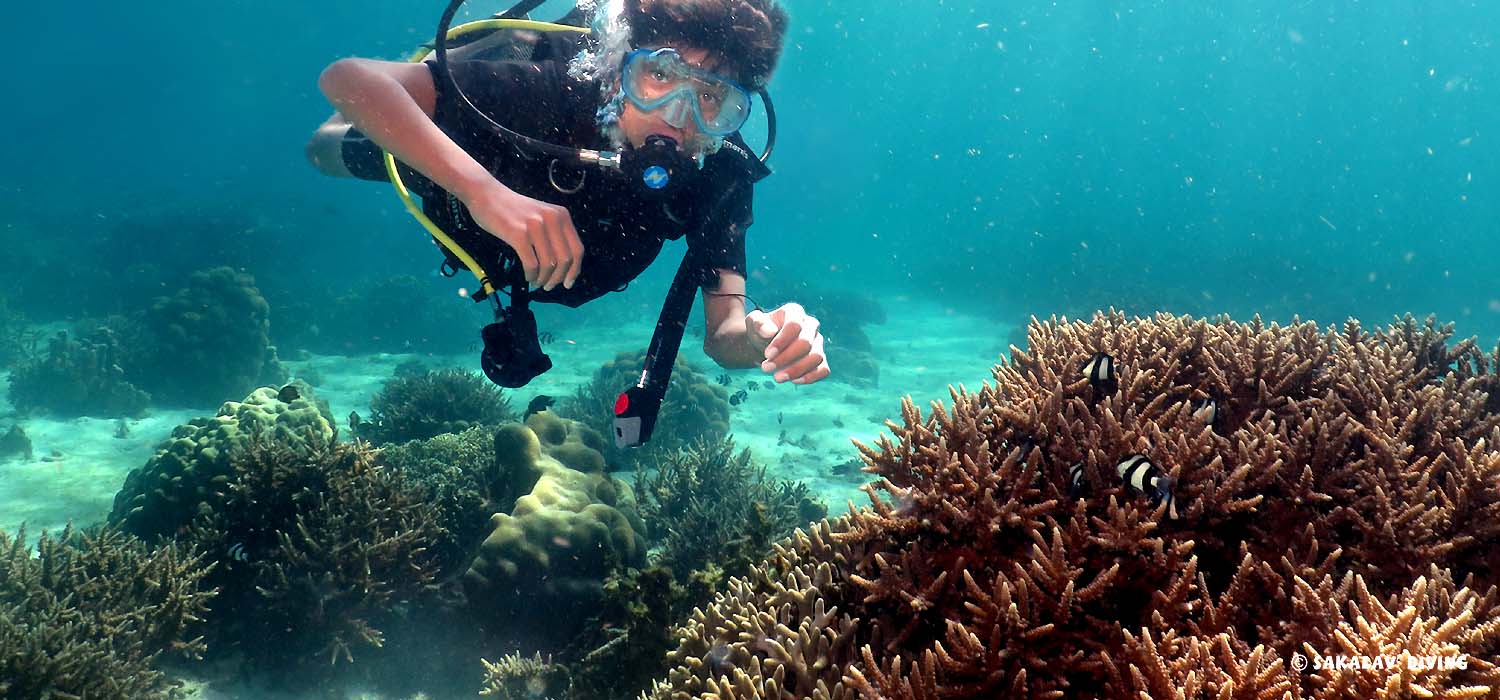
(724, 379)
(541, 403)
(546, 337)
(1206, 410)
(768, 384)
(778, 417)
(1078, 486)
(289, 393)
(237, 552)
(1144, 477)
(738, 397)
(1100, 369)
(752, 386)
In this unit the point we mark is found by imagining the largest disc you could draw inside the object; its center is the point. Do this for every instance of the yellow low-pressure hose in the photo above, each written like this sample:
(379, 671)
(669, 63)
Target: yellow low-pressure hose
(390, 161)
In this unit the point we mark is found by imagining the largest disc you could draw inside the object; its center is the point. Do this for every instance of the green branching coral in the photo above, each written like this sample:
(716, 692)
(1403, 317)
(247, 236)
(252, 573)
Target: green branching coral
(91, 613)
(704, 504)
(420, 406)
(318, 545)
(456, 471)
(694, 408)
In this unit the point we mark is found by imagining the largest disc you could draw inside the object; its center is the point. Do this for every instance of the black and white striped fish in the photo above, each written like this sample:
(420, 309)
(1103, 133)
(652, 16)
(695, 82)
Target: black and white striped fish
(1100, 369)
(1142, 476)
(1078, 486)
(237, 552)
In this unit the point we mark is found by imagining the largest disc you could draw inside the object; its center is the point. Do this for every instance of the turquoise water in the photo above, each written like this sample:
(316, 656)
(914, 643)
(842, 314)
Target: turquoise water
(971, 162)
(1325, 159)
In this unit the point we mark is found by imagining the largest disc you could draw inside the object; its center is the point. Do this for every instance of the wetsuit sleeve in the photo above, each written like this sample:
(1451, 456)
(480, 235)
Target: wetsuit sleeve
(725, 243)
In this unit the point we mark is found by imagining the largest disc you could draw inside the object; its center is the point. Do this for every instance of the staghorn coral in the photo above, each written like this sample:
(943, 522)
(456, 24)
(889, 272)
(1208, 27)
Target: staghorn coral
(456, 470)
(695, 408)
(91, 614)
(426, 404)
(1347, 480)
(515, 677)
(703, 503)
(318, 544)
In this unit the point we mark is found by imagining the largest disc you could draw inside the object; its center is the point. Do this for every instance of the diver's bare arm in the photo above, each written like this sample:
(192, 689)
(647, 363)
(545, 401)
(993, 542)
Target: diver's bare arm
(392, 103)
(726, 340)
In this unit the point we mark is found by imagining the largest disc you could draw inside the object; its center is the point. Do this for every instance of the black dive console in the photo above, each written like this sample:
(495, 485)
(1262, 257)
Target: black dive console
(659, 171)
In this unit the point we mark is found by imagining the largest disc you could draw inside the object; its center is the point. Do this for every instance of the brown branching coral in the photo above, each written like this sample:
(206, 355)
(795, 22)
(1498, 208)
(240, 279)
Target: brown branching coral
(1300, 493)
(91, 614)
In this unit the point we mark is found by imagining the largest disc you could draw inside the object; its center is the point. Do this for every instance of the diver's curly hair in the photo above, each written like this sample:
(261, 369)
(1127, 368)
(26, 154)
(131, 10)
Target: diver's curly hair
(747, 35)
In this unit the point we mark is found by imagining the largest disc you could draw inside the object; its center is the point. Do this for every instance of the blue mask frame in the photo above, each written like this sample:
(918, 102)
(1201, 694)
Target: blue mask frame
(733, 112)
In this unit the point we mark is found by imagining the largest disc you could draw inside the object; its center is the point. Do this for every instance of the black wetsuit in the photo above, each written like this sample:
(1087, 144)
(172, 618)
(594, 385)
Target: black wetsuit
(621, 232)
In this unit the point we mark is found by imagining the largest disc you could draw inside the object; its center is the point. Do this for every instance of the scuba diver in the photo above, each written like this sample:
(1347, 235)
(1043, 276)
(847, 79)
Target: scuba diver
(557, 171)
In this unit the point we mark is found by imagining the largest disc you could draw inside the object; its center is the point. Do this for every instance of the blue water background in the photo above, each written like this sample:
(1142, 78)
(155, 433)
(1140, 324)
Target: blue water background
(1326, 159)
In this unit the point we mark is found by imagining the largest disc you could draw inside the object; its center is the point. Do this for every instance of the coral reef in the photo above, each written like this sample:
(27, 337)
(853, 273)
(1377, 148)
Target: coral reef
(78, 376)
(190, 474)
(704, 504)
(91, 614)
(695, 408)
(564, 526)
(456, 470)
(319, 545)
(316, 542)
(515, 677)
(1342, 497)
(14, 443)
(710, 512)
(420, 406)
(206, 343)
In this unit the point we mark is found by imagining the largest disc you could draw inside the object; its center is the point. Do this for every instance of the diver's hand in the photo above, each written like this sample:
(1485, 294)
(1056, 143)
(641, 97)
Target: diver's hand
(794, 346)
(542, 234)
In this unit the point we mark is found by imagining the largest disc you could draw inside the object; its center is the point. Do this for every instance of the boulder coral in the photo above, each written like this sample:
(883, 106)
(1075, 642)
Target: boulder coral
(564, 526)
(190, 474)
(208, 342)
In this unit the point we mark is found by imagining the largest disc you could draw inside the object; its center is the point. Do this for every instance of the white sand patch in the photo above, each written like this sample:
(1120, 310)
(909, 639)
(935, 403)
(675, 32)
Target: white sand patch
(79, 464)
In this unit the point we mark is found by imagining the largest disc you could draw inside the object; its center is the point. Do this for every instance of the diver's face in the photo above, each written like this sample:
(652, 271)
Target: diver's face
(638, 125)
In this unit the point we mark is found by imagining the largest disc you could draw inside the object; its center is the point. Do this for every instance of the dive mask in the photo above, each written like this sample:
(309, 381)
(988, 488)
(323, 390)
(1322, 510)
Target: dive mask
(656, 79)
